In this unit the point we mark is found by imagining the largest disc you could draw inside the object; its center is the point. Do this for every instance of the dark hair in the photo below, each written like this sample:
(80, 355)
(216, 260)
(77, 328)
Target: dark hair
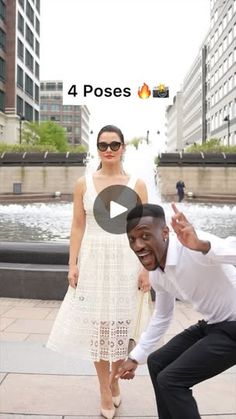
(145, 210)
(111, 128)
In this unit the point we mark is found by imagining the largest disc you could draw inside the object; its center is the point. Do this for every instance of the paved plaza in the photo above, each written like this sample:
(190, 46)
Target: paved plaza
(36, 383)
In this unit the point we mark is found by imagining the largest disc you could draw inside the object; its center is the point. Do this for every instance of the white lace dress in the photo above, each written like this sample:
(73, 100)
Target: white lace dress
(95, 320)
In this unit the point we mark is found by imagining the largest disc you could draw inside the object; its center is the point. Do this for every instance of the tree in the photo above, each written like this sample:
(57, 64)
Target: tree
(45, 133)
(135, 142)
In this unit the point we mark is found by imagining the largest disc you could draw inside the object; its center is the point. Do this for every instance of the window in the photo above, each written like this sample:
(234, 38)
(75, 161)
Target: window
(235, 30)
(55, 107)
(230, 37)
(212, 41)
(37, 47)
(29, 36)
(225, 66)
(43, 106)
(67, 108)
(230, 59)
(20, 49)
(20, 23)
(2, 101)
(231, 83)
(21, 2)
(28, 112)
(230, 13)
(220, 71)
(216, 120)
(20, 106)
(220, 29)
(36, 92)
(220, 117)
(37, 24)
(2, 39)
(2, 10)
(224, 21)
(55, 118)
(225, 88)
(20, 73)
(2, 69)
(216, 36)
(67, 118)
(220, 50)
(30, 12)
(36, 115)
(224, 43)
(37, 69)
(38, 5)
(220, 92)
(29, 61)
(28, 85)
(50, 86)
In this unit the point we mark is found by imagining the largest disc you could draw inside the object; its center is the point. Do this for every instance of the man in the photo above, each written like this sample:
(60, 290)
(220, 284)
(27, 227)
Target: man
(193, 266)
(180, 190)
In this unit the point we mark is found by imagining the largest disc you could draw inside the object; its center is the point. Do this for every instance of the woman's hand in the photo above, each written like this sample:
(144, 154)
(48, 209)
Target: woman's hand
(73, 275)
(143, 281)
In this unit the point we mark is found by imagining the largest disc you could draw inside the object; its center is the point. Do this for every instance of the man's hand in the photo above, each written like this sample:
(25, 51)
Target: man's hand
(186, 232)
(143, 281)
(127, 370)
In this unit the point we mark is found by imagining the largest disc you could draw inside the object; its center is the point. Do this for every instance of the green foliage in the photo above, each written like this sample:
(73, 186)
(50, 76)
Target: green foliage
(213, 145)
(46, 133)
(21, 148)
(156, 160)
(81, 148)
(135, 142)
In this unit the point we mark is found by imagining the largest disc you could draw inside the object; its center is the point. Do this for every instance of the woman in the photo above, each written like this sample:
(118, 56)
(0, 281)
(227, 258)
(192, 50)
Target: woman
(95, 320)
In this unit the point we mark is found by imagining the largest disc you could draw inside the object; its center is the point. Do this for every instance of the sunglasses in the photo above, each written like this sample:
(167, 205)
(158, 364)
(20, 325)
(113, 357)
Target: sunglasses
(114, 145)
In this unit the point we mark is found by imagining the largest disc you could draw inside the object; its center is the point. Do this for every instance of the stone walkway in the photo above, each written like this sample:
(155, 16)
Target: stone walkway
(36, 383)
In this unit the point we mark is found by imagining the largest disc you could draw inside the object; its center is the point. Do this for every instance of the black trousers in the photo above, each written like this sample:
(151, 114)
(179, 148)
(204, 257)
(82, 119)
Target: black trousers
(198, 353)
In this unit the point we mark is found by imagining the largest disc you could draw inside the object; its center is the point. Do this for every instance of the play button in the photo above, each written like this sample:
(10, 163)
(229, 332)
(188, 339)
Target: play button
(116, 209)
(112, 206)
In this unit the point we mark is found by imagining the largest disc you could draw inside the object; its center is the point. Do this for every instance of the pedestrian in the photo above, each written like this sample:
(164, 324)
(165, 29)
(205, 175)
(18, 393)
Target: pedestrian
(196, 267)
(95, 320)
(180, 189)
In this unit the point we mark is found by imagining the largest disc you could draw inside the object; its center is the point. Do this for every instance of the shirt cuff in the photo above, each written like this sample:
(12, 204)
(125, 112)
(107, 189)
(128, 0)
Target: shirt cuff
(139, 354)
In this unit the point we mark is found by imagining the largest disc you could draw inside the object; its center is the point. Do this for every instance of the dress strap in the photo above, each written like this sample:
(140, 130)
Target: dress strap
(89, 182)
(132, 181)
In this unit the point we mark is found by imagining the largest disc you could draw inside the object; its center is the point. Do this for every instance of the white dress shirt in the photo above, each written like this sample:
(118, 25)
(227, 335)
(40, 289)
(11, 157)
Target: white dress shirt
(207, 281)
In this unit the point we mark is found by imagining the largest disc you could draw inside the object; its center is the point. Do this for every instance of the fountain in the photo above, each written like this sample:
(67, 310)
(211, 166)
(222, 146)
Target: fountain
(51, 221)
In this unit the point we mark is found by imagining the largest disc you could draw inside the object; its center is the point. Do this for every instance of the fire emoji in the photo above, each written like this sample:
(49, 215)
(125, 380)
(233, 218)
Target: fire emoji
(144, 92)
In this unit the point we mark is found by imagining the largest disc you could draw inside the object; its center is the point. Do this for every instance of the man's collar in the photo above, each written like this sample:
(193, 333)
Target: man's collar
(173, 250)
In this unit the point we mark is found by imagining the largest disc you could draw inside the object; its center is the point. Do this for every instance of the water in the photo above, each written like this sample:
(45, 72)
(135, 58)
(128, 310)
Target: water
(52, 221)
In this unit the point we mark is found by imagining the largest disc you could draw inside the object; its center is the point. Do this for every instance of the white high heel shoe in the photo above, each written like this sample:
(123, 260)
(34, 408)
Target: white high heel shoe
(108, 413)
(116, 400)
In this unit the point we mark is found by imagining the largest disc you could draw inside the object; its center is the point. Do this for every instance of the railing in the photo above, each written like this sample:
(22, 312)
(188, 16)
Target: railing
(197, 159)
(44, 158)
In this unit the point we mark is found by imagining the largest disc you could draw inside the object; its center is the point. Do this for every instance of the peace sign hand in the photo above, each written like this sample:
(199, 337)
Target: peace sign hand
(186, 233)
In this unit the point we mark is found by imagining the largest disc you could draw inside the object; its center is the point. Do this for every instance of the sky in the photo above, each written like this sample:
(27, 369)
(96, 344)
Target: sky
(117, 43)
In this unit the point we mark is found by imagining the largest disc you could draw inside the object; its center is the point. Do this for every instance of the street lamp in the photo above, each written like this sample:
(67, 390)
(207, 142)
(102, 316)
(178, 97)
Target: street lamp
(147, 137)
(22, 118)
(227, 119)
